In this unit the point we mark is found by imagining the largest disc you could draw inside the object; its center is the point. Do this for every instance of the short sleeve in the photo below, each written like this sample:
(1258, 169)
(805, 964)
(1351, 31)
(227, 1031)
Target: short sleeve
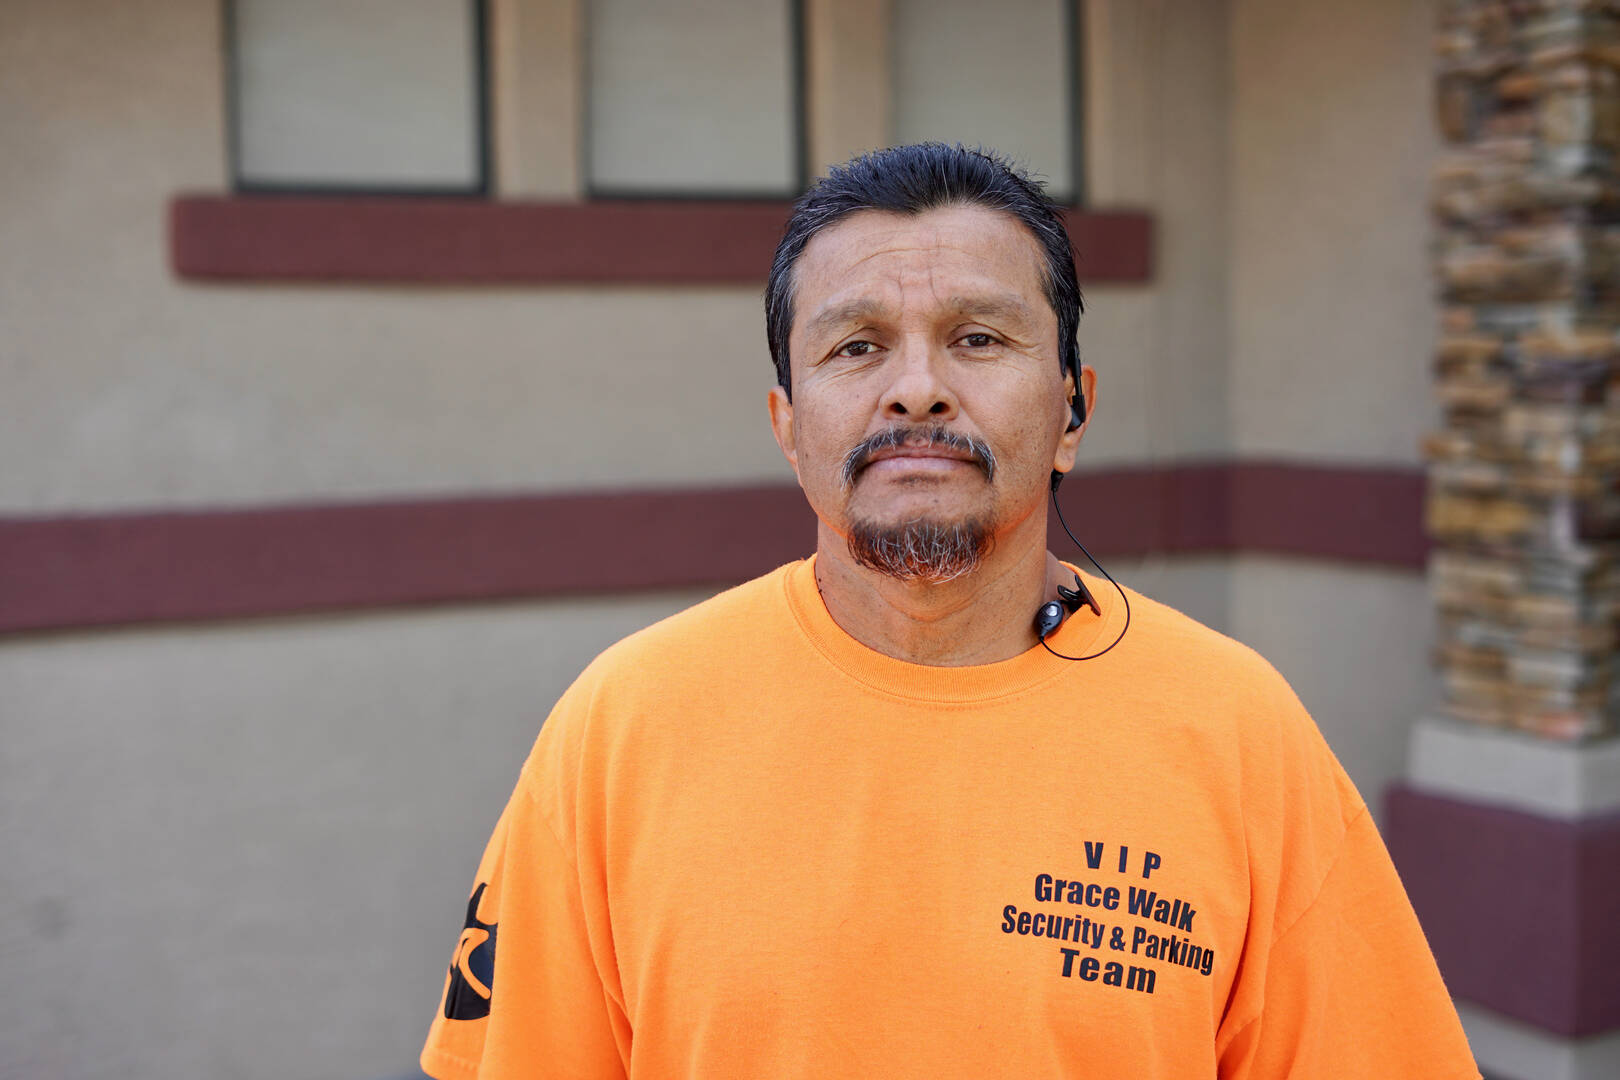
(524, 995)
(1351, 989)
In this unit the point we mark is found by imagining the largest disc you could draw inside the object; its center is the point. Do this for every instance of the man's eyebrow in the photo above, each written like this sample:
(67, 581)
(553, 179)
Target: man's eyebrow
(853, 311)
(1007, 306)
(1002, 306)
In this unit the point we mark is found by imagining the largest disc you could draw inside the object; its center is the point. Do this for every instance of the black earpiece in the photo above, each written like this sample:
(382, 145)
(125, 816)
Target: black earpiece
(1077, 406)
(1048, 618)
(1052, 613)
(1077, 416)
(1079, 596)
(1077, 409)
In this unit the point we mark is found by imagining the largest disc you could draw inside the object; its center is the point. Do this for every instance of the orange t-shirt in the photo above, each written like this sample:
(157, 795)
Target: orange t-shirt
(747, 845)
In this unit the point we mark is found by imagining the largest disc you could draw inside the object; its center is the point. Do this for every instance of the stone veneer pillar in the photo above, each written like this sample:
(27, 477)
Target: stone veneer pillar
(1507, 830)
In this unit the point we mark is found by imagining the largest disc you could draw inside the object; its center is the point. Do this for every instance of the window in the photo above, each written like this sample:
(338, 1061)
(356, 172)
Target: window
(695, 97)
(639, 141)
(358, 95)
(1002, 75)
(683, 98)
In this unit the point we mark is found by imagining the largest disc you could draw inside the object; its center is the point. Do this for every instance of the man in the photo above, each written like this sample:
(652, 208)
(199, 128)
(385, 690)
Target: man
(857, 818)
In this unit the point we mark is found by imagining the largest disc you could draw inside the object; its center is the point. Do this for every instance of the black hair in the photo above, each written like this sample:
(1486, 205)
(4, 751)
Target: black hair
(909, 180)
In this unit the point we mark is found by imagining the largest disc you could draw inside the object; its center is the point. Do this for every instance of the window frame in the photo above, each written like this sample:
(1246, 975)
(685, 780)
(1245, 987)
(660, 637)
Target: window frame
(483, 188)
(798, 116)
(1074, 59)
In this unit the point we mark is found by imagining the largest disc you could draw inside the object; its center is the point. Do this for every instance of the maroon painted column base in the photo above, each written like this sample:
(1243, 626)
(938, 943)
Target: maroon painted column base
(1522, 911)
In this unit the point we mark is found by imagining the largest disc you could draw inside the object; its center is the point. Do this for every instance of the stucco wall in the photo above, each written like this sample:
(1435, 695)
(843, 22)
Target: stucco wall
(1332, 328)
(1156, 115)
(1333, 318)
(1354, 643)
(244, 850)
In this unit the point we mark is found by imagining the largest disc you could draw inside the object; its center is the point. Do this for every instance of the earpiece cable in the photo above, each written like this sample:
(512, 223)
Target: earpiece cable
(1101, 571)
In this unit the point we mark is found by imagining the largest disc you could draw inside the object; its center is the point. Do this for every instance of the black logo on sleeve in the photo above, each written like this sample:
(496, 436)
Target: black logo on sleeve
(472, 971)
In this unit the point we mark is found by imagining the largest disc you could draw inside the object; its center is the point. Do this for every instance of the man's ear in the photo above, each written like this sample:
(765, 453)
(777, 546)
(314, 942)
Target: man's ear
(1068, 446)
(781, 410)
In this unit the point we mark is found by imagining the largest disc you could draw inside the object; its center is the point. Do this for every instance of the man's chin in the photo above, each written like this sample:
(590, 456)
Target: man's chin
(926, 550)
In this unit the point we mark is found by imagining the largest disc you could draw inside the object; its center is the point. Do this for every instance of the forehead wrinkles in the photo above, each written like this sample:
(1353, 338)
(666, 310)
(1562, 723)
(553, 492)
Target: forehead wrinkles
(999, 256)
(908, 254)
(903, 290)
(920, 284)
(987, 245)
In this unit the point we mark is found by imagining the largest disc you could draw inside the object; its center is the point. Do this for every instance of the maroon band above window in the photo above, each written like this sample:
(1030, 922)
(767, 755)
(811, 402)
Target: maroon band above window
(373, 239)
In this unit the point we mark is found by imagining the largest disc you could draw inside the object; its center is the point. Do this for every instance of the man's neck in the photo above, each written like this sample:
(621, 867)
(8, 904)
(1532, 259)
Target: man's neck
(979, 618)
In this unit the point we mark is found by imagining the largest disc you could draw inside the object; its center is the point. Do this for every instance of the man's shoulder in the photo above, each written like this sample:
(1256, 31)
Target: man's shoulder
(1172, 639)
(1252, 701)
(707, 634)
(654, 674)
(1237, 684)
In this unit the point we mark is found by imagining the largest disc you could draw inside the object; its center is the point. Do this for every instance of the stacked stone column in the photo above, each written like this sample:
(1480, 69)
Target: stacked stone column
(1524, 475)
(1507, 829)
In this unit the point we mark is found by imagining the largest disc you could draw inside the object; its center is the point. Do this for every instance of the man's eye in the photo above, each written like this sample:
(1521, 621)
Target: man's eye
(978, 341)
(856, 348)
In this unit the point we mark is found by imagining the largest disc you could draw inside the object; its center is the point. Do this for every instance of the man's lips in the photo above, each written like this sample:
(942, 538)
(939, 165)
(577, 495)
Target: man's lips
(917, 459)
(920, 452)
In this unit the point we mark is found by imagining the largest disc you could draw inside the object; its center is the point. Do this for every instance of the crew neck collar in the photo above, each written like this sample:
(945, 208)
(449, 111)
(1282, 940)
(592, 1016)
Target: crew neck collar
(1081, 633)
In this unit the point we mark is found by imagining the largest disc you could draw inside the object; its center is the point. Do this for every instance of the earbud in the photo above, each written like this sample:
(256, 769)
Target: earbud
(1077, 416)
(1077, 410)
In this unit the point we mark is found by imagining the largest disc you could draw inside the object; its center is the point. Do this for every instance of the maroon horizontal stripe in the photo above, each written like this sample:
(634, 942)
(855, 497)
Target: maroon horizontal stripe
(360, 239)
(1518, 908)
(1361, 515)
(1138, 510)
(113, 568)
(1331, 512)
(121, 568)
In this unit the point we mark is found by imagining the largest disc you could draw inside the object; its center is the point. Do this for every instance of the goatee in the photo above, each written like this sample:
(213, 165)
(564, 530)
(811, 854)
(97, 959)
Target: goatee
(920, 550)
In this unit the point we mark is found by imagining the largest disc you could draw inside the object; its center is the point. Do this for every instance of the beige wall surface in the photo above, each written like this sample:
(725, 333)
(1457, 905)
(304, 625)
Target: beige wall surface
(1332, 140)
(221, 395)
(1332, 328)
(1354, 643)
(244, 850)
(1156, 113)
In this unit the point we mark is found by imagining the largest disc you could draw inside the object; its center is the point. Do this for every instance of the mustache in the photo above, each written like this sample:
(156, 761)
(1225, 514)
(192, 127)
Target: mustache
(933, 435)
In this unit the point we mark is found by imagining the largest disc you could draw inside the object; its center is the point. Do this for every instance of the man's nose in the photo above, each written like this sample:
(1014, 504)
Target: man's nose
(919, 390)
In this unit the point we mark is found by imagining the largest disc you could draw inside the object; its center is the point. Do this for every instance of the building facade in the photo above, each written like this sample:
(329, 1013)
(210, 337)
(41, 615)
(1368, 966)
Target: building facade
(348, 414)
